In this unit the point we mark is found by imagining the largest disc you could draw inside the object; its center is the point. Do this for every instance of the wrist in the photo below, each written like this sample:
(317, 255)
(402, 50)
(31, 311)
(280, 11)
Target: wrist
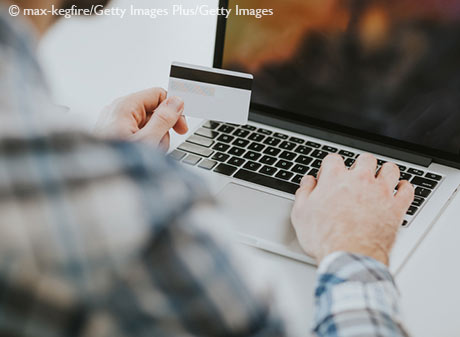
(376, 253)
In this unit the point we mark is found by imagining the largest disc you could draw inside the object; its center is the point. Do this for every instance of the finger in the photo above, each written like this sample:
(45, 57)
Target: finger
(332, 165)
(307, 185)
(404, 196)
(366, 163)
(163, 119)
(149, 98)
(389, 175)
(181, 126)
(165, 142)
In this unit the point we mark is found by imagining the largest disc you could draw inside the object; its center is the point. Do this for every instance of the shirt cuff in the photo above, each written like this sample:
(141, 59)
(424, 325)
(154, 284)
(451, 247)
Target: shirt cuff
(355, 283)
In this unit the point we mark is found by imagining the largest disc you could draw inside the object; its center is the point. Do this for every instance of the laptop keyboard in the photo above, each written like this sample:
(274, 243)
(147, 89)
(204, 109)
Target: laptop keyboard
(277, 160)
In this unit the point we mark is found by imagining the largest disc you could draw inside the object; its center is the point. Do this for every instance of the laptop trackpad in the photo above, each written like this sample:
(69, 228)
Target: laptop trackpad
(260, 214)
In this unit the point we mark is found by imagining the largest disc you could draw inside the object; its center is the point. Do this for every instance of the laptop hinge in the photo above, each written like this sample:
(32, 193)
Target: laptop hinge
(336, 137)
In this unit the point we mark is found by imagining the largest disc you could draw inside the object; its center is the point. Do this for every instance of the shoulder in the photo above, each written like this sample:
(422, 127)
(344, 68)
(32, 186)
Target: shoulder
(75, 190)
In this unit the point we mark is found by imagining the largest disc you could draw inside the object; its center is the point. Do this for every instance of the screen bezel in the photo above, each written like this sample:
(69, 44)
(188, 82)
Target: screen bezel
(439, 156)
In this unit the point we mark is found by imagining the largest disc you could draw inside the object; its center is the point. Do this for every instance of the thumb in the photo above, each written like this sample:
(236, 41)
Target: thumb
(163, 119)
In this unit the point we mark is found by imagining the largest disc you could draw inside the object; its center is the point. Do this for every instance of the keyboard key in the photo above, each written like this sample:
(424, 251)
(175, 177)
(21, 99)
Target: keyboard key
(211, 125)
(241, 142)
(241, 133)
(195, 149)
(207, 164)
(264, 131)
(300, 169)
(277, 184)
(249, 127)
(401, 167)
(235, 161)
(280, 135)
(256, 137)
(303, 149)
(288, 155)
(427, 183)
(256, 147)
(346, 153)
(283, 164)
(380, 162)
(225, 169)
(225, 138)
(198, 140)
(285, 175)
(177, 155)
(316, 164)
(267, 160)
(236, 151)
(415, 171)
(349, 162)
(422, 192)
(319, 154)
(220, 157)
(272, 151)
(314, 145)
(221, 147)
(206, 133)
(433, 176)
(226, 129)
(297, 179)
(418, 201)
(330, 149)
(412, 210)
(252, 166)
(303, 160)
(268, 170)
(313, 172)
(405, 223)
(191, 159)
(405, 176)
(287, 145)
(297, 140)
(272, 141)
(252, 155)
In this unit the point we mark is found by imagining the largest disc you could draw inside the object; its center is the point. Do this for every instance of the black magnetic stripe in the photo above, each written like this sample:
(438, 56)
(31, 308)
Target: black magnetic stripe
(211, 78)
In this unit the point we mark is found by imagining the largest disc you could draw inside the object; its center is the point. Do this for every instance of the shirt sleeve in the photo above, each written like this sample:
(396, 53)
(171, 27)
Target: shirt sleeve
(356, 296)
(188, 283)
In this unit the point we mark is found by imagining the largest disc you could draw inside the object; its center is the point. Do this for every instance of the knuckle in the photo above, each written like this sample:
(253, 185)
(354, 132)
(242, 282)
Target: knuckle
(364, 176)
(160, 90)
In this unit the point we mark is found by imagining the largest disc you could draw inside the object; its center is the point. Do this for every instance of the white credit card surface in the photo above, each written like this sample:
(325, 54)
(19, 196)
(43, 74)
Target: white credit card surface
(212, 94)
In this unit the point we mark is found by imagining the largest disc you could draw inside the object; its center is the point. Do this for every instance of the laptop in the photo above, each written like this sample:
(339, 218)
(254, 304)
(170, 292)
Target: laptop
(343, 77)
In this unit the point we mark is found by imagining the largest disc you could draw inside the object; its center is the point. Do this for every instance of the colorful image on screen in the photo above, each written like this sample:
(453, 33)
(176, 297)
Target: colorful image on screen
(387, 67)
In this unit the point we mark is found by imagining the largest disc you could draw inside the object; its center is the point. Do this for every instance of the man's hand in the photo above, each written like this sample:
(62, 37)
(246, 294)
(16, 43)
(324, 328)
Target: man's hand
(351, 210)
(144, 116)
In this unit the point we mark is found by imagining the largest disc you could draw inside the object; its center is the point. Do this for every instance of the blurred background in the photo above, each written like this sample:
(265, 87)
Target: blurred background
(91, 61)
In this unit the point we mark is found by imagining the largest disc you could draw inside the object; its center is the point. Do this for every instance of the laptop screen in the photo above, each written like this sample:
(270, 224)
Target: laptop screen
(383, 67)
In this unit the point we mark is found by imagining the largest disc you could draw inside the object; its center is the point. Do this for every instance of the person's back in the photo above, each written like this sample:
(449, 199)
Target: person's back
(92, 230)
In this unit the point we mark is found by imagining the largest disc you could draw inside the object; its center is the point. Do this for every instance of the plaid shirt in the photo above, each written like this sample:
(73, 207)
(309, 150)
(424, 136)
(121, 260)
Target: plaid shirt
(107, 238)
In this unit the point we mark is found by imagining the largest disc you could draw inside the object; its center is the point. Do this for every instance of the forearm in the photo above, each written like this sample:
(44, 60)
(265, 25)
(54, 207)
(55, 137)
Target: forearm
(356, 296)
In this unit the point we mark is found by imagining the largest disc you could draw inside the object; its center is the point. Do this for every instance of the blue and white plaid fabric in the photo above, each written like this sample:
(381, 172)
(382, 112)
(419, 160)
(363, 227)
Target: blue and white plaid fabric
(106, 238)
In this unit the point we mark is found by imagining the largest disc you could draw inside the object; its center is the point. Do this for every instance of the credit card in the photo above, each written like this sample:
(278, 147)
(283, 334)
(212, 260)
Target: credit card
(210, 93)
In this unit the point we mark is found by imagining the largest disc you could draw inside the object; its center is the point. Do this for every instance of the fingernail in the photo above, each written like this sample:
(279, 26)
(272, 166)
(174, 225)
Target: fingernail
(176, 102)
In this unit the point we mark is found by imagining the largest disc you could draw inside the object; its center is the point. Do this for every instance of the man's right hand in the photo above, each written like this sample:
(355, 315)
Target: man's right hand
(351, 210)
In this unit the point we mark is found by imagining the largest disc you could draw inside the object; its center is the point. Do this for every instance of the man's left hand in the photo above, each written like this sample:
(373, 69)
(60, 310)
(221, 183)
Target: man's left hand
(145, 116)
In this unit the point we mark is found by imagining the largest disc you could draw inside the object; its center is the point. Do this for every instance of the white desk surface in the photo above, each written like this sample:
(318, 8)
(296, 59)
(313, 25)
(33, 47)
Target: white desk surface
(136, 53)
